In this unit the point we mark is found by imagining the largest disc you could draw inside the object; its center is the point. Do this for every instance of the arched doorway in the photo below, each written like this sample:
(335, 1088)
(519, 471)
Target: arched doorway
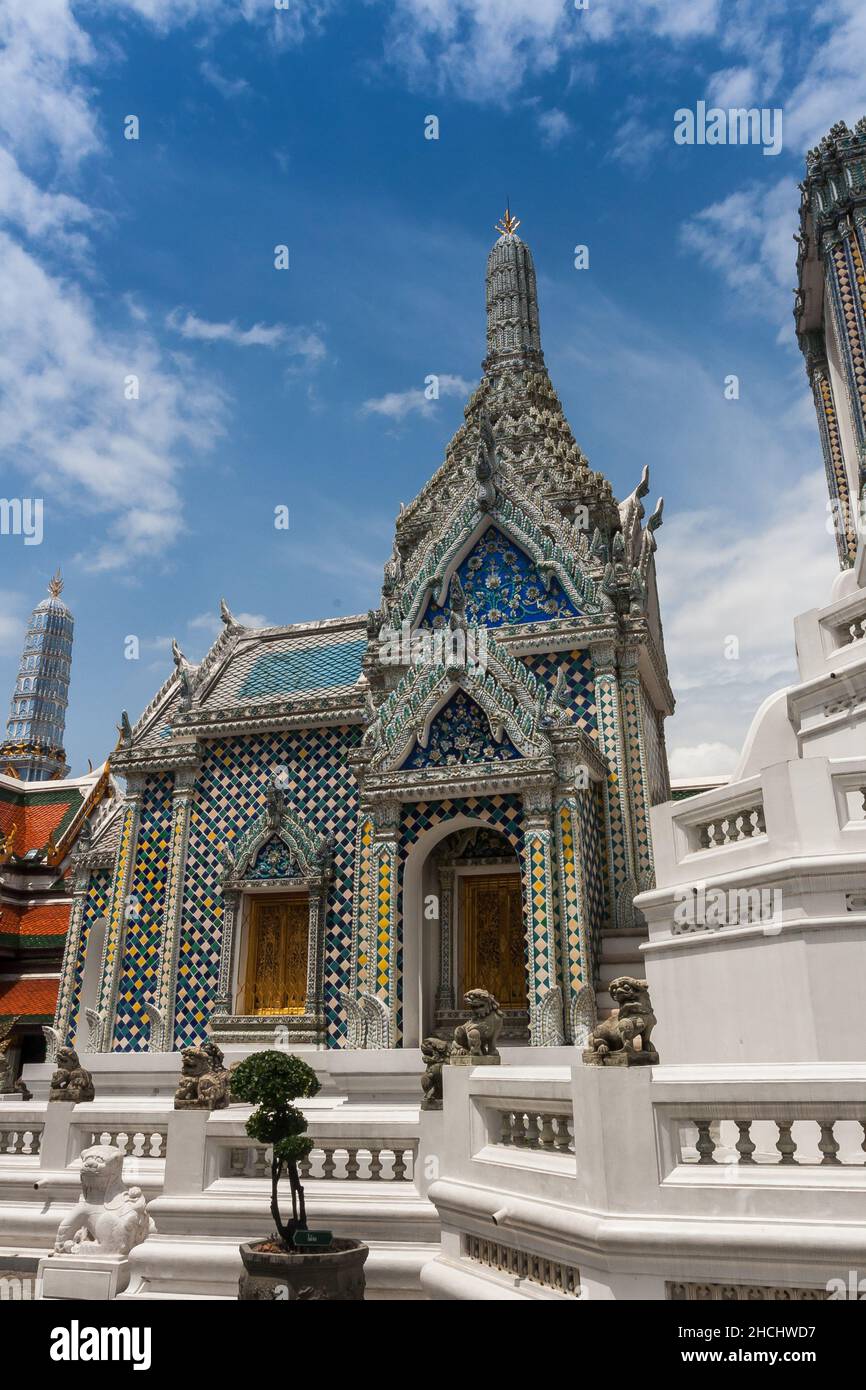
(469, 902)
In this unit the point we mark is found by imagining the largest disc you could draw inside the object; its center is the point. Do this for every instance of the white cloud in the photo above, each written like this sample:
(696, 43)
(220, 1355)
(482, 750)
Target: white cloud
(484, 49)
(554, 125)
(227, 87)
(636, 141)
(396, 405)
(703, 760)
(304, 343)
(833, 86)
(729, 593)
(65, 422)
(25, 205)
(44, 105)
(747, 238)
(12, 614)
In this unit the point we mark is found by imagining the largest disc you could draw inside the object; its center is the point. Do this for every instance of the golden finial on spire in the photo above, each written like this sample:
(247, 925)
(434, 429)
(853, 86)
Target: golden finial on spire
(55, 585)
(507, 224)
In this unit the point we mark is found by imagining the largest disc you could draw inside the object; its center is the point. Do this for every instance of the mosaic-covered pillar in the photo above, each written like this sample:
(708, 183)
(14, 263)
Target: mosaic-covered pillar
(71, 953)
(373, 1001)
(574, 925)
(635, 749)
(843, 514)
(223, 999)
(846, 280)
(161, 1011)
(545, 994)
(620, 860)
(445, 988)
(314, 1004)
(117, 915)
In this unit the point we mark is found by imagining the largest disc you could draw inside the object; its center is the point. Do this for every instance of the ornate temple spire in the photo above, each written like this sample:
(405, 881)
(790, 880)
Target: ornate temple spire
(33, 748)
(513, 336)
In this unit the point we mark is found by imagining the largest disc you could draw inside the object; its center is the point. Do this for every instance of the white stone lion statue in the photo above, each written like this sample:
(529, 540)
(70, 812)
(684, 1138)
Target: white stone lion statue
(109, 1218)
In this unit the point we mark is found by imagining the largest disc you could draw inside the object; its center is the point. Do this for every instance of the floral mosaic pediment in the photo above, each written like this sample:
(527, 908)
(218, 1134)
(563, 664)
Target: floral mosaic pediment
(518, 556)
(501, 584)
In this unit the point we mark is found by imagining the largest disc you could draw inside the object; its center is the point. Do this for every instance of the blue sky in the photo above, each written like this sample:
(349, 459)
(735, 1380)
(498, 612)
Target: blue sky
(304, 387)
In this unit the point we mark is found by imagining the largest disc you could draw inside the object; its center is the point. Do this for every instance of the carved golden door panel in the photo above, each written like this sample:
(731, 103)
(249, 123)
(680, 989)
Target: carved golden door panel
(276, 980)
(491, 911)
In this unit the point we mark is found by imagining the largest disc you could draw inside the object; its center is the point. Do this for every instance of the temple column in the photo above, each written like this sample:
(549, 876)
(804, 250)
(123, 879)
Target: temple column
(574, 927)
(545, 994)
(445, 988)
(161, 1010)
(635, 749)
(373, 999)
(314, 1003)
(58, 1035)
(618, 828)
(120, 910)
(223, 1004)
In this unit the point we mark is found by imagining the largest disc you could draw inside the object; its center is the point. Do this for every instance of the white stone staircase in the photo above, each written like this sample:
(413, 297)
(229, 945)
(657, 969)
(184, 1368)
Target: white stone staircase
(620, 955)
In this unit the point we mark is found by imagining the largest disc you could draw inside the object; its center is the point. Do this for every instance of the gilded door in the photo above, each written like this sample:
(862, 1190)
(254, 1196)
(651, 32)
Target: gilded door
(276, 980)
(491, 911)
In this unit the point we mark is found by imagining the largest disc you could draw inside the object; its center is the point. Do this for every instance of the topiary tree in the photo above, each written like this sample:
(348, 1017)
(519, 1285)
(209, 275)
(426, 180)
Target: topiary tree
(272, 1081)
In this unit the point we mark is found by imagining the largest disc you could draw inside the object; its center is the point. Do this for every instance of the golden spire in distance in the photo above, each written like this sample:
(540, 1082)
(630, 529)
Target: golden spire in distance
(55, 585)
(507, 224)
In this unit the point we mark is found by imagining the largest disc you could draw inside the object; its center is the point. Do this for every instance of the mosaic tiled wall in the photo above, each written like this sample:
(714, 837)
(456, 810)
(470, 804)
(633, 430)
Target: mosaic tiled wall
(143, 919)
(502, 585)
(581, 683)
(231, 791)
(95, 906)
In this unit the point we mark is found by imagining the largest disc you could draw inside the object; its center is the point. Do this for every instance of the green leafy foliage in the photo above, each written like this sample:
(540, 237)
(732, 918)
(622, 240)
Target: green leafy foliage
(272, 1081)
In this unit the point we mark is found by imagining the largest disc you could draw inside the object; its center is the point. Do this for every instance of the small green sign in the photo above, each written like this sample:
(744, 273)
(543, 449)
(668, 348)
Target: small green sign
(312, 1238)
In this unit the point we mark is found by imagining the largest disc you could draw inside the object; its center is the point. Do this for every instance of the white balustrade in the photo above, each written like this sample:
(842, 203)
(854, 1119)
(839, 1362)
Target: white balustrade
(20, 1139)
(540, 1131)
(341, 1160)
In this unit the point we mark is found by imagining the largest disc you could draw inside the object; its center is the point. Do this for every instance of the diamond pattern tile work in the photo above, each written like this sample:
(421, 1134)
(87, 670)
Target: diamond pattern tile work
(139, 962)
(311, 668)
(96, 904)
(231, 790)
(610, 738)
(383, 920)
(598, 910)
(637, 776)
(542, 952)
(570, 907)
(117, 905)
(289, 662)
(579, 673)
(363, 878)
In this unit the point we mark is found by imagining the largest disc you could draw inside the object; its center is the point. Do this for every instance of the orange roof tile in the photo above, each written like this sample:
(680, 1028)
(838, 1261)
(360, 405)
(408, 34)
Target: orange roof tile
(45, 919)
(29, 996)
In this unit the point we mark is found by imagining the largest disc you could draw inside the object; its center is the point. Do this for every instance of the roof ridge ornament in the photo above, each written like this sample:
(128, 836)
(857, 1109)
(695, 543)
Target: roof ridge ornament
(507, 224)
(55, 584)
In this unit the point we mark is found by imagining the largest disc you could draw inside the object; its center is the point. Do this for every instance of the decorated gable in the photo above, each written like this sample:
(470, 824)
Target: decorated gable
(460, 733)
(502, 585)
(274, 860)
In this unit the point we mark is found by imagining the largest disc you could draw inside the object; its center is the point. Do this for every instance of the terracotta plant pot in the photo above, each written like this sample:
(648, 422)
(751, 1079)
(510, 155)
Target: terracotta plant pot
(335, 1275)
